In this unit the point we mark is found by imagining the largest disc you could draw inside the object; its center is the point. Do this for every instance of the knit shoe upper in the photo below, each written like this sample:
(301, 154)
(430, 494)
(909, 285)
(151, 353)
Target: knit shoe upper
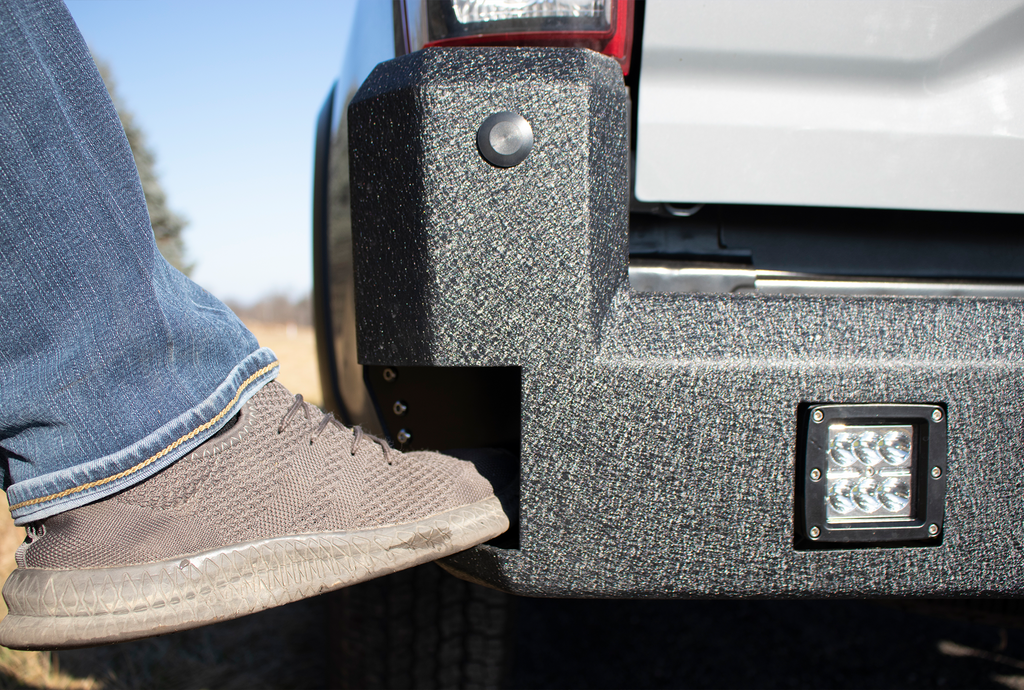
(279, 469)
(284, 503)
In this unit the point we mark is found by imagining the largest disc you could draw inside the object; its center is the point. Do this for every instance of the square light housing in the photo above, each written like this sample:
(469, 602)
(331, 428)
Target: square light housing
(871, 473)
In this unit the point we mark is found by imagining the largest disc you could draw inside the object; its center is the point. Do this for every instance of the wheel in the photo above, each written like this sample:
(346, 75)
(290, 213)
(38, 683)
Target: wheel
(421, 628)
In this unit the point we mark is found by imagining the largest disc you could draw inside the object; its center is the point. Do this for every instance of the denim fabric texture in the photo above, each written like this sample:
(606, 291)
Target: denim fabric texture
(112, 363)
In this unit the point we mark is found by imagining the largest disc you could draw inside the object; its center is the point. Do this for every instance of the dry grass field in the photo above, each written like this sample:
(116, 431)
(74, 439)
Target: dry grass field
(296, 349)
(280, 648)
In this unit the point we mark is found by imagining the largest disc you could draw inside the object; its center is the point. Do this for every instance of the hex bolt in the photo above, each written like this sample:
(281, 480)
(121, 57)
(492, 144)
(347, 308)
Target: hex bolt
(933, 529)
(815, 474)
(505, 139)
(815, 532)
(390, 374)
(399, 408)
(403, 436)
(818, 416)
(936, 472)
(936, 415)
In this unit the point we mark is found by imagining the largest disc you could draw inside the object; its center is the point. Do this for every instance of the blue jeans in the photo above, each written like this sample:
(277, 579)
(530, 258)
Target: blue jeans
(112, 363)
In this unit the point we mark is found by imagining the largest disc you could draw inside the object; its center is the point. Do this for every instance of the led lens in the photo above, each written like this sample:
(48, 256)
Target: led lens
(866, 448)
(895, 447)
(894, 494)
(864, 495)
(840, 497)
(840, 447)
(869, 472)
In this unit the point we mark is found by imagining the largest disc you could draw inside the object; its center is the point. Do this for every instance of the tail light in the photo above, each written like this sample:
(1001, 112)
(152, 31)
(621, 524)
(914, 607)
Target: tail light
(602, 25)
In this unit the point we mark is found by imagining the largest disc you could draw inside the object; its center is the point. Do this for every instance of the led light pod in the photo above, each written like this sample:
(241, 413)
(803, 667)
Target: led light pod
(867, 474)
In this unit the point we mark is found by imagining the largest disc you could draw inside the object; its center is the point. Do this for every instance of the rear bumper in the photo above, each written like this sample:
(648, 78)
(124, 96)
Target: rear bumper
(658, 430)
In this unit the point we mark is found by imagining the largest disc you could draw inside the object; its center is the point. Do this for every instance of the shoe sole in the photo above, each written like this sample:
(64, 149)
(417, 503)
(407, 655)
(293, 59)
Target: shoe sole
(59, 609)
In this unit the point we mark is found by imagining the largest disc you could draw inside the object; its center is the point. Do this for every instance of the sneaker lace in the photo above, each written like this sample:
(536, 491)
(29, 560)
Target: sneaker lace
(327, 420)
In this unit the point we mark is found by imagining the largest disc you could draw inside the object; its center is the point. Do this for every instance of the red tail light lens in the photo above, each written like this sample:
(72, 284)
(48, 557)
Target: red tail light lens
(602, 25)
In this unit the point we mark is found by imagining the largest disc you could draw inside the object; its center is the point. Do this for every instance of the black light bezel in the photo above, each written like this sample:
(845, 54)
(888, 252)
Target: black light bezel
(928, 495)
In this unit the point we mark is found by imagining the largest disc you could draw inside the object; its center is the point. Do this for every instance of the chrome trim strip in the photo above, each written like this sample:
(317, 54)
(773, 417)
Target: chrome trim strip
(647, 276)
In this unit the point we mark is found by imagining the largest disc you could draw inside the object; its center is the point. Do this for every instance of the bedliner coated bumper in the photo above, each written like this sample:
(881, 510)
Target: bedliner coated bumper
(658, 431)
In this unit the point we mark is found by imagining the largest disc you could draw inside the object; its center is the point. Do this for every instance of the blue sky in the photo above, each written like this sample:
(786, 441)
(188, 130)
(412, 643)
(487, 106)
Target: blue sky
(227, 93)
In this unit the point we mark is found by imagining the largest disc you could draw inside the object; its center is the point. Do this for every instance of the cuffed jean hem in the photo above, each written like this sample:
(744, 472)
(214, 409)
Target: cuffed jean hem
(57, 492)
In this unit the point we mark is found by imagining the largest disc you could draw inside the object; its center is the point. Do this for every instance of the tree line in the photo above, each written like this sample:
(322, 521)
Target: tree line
(167, 225)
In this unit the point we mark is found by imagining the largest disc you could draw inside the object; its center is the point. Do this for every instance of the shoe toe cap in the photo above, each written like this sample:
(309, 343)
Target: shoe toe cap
(478, 474)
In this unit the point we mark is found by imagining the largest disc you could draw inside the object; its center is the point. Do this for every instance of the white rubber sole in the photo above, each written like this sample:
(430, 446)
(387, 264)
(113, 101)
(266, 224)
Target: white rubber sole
(55, 609)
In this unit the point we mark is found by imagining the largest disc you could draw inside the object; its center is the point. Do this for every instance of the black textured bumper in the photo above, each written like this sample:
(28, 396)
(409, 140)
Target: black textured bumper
(659, 431)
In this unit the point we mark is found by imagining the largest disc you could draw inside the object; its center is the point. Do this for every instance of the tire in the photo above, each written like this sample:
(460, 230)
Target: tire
(421, 628)
(1003, 613)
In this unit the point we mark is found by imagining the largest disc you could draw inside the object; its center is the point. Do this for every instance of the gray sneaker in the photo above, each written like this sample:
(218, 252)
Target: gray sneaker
(282, 504)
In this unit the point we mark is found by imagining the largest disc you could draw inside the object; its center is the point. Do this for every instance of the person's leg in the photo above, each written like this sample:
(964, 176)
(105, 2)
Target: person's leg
(112, 363)
(166, 481)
